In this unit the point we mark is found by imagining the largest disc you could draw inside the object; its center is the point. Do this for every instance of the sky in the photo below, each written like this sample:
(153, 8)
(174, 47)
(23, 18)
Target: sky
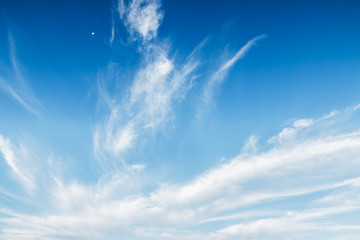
(150, 119)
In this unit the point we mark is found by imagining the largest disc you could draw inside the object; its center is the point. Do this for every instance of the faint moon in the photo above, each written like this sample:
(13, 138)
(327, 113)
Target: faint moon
(93, 33)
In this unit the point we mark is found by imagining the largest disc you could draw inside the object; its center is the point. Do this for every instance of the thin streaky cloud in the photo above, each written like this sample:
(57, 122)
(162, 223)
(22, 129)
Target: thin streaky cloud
(297, 224)
(239, 54)
(112, 36)
(199, 46)
(121, 8)
(220, 75)
(9, 90)
(16, 159)
(241, 170)
(18, 87)
(8, 194)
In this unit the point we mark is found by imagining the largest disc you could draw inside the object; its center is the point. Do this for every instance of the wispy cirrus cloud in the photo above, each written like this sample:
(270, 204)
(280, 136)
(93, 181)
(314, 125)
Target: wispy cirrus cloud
(17, 160)
(17, 87)
(155, 86)
(299, 225)
(112, 36)
(220, 75)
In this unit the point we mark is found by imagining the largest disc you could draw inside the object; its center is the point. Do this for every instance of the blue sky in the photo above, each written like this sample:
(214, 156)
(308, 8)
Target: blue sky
(150, 119)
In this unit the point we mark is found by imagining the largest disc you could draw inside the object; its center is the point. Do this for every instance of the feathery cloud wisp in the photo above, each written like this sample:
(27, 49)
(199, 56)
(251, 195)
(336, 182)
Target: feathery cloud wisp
(219, 76)
(155, 87)
(16, 159)
(18, 87)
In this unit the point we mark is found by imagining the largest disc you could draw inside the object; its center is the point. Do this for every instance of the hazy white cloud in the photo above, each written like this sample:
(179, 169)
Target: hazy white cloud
(156, 87)
(121, 8)
(291, 160)
(17, 159)
(289, 132)
(112, 36)
(151, 90)
(291, 225)
(251, 144)
(141, 17)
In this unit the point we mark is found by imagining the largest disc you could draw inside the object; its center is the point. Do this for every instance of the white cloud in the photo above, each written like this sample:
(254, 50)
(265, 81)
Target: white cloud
(290, 132)
(219, 76)
(156, 86)
(114, 138)
(18, 87)
(142, 17)
(295, 159)
(293, 225)
(292, 168)
(241, 53)
(17, 159)
(121, 8)
(251, 144)
(112, 37)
